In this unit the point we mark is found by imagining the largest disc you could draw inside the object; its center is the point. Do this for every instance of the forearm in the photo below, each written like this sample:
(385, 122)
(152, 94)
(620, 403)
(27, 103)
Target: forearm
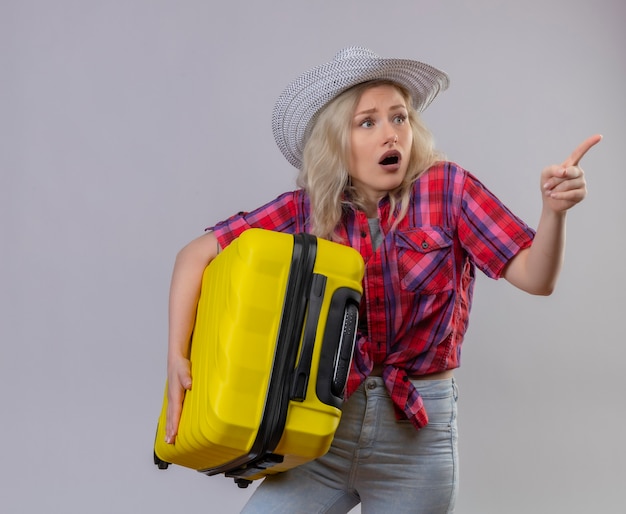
(537, 268)
(185, 291)
(190, 264)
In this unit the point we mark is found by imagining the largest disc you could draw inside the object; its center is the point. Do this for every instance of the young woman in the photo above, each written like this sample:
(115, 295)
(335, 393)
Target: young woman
(371, 178)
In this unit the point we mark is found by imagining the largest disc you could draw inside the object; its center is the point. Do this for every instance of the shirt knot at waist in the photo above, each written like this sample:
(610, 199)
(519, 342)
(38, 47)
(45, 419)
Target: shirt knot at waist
(377, 371)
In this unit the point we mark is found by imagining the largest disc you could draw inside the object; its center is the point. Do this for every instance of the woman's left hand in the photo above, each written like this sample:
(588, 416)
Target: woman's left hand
(564, 185)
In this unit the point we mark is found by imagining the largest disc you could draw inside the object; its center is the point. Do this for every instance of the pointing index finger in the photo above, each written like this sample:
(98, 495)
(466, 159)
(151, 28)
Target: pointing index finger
(581, 150)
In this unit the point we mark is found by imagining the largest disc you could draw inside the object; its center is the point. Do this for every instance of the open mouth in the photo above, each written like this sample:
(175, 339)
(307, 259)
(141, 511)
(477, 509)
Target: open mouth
(390, 158)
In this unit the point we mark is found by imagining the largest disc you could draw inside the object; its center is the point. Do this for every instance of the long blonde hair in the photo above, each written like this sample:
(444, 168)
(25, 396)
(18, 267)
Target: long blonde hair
(324, 174)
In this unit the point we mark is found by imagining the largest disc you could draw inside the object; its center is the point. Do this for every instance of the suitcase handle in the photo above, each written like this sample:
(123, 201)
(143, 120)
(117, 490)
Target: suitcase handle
(345, 348)
(338, 346)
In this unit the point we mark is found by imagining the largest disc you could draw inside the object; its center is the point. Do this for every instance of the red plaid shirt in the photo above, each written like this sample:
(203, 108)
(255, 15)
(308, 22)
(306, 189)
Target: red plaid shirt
(418, 284)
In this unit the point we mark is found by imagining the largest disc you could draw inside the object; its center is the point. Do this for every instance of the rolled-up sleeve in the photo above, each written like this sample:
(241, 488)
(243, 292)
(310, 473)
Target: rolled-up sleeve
(488, 230)
(278, 215)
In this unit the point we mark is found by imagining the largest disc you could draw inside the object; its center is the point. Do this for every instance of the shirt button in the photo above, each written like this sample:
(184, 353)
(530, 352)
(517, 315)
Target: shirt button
(363, 234)
(424, 245)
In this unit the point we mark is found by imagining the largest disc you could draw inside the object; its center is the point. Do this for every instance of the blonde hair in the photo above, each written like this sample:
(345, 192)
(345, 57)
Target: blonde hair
(324, 174)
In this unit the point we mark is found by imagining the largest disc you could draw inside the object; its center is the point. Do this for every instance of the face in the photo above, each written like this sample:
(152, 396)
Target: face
(381, 139)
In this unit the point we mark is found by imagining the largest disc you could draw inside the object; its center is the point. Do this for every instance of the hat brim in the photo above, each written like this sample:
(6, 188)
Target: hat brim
(297, 107)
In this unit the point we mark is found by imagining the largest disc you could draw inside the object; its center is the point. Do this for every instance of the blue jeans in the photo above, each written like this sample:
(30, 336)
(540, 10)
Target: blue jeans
(384, 464)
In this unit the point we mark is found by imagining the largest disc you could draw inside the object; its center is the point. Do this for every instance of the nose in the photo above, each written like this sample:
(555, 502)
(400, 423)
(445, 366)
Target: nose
(392, 135)
(392, 139)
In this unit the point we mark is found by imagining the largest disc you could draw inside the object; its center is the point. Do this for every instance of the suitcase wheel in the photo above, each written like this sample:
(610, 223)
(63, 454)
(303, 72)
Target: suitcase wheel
(242, 483)
(161, 464)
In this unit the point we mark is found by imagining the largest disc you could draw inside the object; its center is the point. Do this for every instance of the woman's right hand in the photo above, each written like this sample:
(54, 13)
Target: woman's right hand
(178, 381)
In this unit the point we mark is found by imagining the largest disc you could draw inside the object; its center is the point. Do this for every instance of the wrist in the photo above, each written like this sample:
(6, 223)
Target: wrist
(552, 214)
(175, 358)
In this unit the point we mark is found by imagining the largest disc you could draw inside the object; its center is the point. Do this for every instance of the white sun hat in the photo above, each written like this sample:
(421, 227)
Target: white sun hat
(297, 107)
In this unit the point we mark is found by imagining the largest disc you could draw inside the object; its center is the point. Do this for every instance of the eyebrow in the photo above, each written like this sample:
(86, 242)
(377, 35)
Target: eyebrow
(373, 110)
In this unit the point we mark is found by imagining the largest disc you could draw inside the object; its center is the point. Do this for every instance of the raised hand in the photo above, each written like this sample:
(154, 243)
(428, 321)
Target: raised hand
(564, 185)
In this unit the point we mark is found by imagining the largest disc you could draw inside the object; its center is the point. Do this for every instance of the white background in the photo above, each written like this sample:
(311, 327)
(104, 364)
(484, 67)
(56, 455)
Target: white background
(127, 126)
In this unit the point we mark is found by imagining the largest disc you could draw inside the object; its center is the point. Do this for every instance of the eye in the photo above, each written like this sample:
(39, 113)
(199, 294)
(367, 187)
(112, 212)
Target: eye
(367, 123)
(399, 119)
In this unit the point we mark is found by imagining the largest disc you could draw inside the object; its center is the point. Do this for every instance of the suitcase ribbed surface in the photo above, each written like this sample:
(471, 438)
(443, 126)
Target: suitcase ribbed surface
(240, 329)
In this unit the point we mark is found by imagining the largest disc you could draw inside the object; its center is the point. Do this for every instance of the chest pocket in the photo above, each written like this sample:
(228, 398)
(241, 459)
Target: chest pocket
(425, 260)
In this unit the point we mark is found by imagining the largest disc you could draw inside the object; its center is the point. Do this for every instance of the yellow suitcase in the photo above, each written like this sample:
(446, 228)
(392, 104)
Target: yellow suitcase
(270, 353)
